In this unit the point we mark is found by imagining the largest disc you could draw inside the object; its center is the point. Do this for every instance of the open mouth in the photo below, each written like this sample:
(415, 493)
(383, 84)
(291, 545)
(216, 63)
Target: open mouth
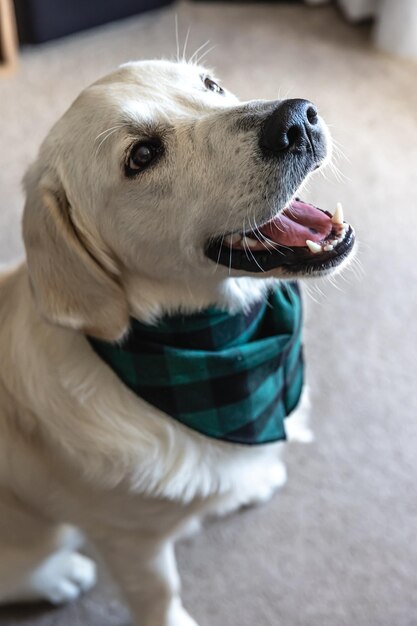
(300, 239)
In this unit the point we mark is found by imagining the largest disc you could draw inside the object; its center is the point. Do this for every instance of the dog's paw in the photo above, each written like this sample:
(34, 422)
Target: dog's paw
(63, 577)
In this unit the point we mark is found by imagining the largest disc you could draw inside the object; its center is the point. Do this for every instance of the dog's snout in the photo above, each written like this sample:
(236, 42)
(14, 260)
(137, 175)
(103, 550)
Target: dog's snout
(292, 126)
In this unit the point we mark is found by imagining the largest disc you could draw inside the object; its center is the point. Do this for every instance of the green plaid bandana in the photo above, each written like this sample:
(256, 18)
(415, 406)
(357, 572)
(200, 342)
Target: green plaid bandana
(231, 377)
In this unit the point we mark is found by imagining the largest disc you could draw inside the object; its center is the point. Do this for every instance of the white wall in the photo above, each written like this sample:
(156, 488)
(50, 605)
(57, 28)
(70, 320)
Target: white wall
(359, 9)
(396, 29)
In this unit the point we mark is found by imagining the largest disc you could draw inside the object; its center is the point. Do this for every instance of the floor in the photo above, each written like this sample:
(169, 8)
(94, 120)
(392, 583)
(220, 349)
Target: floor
(338, 546)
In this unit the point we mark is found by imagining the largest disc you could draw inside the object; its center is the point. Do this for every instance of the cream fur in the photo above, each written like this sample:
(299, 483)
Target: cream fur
(76, 446)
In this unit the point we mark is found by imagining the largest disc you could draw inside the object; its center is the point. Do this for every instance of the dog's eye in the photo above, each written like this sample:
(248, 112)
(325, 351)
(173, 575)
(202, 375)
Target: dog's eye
(212, 86)
(141, 156)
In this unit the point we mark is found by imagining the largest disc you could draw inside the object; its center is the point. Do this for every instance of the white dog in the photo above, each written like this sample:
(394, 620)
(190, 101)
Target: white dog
(145, 200)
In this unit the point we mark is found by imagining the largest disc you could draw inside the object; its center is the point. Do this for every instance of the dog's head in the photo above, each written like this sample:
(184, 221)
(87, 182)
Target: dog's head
(159, 190)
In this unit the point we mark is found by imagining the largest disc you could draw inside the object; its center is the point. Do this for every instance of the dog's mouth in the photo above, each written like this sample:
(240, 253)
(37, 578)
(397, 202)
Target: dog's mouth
(301, 239)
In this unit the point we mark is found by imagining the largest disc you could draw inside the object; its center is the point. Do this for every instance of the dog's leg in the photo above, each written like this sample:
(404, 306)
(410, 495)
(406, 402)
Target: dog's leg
(262, 472)
(39, 561)
(258, 479)
(145, 569)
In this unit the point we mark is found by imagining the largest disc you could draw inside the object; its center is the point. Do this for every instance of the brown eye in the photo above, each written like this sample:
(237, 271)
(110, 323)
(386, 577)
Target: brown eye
(212, 86)
(141, 156)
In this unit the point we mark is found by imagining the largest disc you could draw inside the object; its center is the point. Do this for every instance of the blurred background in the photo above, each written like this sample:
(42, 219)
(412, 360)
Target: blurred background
(338, 546)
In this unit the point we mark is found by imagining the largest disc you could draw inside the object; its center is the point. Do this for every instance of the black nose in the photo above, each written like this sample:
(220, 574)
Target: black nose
(293, 126)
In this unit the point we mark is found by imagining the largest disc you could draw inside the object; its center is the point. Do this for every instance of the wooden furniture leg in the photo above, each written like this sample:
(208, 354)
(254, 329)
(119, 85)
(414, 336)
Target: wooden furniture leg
(8, 37)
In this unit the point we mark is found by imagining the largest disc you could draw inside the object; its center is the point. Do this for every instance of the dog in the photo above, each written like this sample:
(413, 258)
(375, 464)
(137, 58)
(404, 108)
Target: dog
(157, 194)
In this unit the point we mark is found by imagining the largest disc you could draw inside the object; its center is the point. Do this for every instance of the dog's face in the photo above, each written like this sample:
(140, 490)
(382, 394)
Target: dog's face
(156, 171)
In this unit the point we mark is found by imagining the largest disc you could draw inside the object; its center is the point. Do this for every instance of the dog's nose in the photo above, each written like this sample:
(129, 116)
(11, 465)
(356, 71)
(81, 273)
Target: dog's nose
(292, 126)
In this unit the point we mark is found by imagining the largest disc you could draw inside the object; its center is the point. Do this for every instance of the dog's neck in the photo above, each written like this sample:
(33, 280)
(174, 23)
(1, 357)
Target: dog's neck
(149, 298)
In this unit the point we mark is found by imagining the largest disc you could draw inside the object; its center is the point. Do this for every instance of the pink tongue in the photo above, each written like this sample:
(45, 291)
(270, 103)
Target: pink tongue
(300, 221)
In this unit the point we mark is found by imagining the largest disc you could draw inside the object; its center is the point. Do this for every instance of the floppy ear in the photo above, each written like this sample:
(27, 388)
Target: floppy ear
(70, 286)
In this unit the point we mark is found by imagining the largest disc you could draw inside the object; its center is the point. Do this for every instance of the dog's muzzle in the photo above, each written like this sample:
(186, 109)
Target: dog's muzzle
(300, 238)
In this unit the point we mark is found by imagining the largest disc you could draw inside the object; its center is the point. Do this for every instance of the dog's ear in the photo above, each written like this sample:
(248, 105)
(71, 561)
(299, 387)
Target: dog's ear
(71, 287)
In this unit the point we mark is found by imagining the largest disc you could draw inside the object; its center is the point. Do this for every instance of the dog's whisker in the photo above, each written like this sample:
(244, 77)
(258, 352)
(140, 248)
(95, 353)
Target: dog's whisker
(287, 93)
(309, 289)
(357, 265)
(332, 281)
(258, 234)
(184, 50)
(177, 39)
(336, 172)
(255, 260)
(195, 54)
(278, 247)
(226, 230)
(336, 143)
(265, 240)
(107, 129)
(320, 291)
(114, 130)
(323, 173)
(205, 53)
(220, 249)
(276, 218)
(247, 249)
(338, 149)
(357, 269)
(339, 175)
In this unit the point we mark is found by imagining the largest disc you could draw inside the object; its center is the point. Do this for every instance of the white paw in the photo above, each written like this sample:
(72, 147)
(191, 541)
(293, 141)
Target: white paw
(63, 577)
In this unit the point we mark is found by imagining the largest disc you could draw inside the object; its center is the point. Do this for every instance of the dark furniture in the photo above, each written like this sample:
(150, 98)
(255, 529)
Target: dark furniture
(42, 20)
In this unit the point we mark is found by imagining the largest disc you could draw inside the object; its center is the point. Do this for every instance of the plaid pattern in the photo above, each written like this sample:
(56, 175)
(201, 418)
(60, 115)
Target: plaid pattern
(231, 377)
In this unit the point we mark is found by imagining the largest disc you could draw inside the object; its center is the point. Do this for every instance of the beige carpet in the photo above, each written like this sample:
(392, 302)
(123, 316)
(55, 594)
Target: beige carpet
(338, 547)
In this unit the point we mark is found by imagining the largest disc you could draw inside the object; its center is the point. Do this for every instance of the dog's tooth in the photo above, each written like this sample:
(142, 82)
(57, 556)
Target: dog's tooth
(342, 233)
(233, 238)
(313, 246)
(338, 214)
(251, 243)
(328, 248)
(334, 242)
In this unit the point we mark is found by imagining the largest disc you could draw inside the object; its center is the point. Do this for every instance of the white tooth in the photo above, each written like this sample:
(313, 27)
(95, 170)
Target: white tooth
(334, 242)
(233, 238)
(328, 248)
(251, 243)
(342, 234)
(338, 214)
(313, 246)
